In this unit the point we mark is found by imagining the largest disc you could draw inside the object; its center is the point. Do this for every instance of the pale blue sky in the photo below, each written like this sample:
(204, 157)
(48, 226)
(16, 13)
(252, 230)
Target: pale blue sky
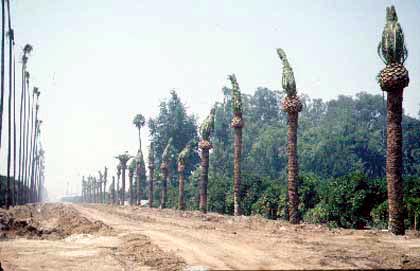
(98, 63)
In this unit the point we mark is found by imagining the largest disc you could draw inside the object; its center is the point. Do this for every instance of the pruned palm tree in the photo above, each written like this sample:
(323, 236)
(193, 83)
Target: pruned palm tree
(151, 166)
(182, 159)
(33, 144)
(393, 79)
(166, 159)
(22, 120)
(237, 124)
(292, 105)
(123, 158)
(10, 199)
(205, 145)
(113, 190)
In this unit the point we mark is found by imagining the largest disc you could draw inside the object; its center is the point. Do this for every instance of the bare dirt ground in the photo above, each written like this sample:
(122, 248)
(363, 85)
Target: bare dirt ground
(103, 237)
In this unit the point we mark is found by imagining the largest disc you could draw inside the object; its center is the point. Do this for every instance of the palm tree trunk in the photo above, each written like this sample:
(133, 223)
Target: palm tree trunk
(292, 166)
(204, 178)
(130, 177)
(15, 181)
(151, 173)
(30, 150)
(123, 186)
(2, 86)
(394, 162)
(181, 181)
(118, 190)
(237, 171)
(138, 184)
(21, 136)
(26, 150)
(33, 151)
(9, 194)
(163, 194)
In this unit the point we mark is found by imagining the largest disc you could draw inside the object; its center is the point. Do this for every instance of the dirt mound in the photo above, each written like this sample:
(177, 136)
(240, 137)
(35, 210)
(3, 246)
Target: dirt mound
(46, 221)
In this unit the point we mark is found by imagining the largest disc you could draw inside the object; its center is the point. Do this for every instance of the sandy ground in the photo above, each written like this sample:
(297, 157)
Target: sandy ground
(134, 238)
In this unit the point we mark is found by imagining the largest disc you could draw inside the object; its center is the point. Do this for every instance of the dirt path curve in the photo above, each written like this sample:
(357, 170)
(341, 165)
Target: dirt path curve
(222, 242)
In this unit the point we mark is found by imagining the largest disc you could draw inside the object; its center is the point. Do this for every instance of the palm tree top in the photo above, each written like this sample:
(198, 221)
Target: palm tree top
(139, 121)
(27, 75)
(167, 153)
(288, 78)
(392, 47)
(236, 94)
(123, 158)
(27, 49)
(207, 126)
(37, 92)
(182, 156)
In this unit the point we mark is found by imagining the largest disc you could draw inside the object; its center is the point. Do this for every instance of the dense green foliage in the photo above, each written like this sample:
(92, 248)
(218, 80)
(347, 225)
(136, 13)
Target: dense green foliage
(341, 152)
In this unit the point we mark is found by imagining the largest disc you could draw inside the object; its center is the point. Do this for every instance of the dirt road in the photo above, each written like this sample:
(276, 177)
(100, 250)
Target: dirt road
(143, 239)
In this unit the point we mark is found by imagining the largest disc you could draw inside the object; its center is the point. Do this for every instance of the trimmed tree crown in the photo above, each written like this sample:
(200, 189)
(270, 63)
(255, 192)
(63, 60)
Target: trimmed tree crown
(392, 47)
(288, 77)
(167, 153)
(236, 95)
(207, 126)
(123, 158)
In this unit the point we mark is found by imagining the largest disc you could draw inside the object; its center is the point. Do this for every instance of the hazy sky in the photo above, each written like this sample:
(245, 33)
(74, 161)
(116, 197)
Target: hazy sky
(99, 62)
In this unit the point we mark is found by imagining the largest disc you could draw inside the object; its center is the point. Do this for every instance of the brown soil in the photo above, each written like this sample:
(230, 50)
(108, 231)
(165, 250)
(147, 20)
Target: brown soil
(154, 239)
(46, 221)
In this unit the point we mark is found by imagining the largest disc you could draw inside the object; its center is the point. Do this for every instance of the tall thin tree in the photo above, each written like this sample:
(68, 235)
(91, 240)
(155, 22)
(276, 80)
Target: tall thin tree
(22, 120)
(9, 185)
(205, 145)
(237, 124)
(139, 122)
(393, 79)
(292, 105)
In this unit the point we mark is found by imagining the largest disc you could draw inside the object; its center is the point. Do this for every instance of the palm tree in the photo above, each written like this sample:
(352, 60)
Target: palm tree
(123, 158)
(151, 166)
(26, 138)
(131, 169)
(182, 158)
(292, 105)
(2, 83)
(393, 79)
(237, 124)
(166, 159)
(139, 122)
(10, 199)
(205, 145)
(22, 120)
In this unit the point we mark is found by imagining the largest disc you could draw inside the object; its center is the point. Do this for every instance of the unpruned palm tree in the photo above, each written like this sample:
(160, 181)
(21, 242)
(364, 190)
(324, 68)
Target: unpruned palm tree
(166, 159)
(393, 79)
(292, 105)
(182, 159)
(237, 124)
(139, 122)
(123, 158)
(205, 145)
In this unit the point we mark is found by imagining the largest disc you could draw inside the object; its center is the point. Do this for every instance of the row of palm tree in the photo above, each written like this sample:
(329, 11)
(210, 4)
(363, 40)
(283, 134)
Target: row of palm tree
(392, 79)
(25, 159)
